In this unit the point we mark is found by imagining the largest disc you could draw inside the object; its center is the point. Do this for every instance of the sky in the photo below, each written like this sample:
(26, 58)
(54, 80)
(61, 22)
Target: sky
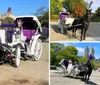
(81, 47)
(95, 5)
(22, 7)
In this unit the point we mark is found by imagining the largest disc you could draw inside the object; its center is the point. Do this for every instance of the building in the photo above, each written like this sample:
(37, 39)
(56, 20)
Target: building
(86, 51)
(8, 14)
(89, 51)
(92, 51)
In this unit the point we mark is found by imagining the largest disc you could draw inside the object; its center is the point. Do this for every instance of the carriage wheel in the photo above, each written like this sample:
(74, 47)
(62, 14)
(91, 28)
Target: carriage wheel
(61, 71)
(18, 55)
(38, 50)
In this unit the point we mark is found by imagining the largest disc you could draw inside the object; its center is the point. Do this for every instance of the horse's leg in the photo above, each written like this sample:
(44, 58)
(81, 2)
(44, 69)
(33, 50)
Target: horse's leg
(89, 74)
(85, 78)
(81, 34)
(84, 33)
(75, 31)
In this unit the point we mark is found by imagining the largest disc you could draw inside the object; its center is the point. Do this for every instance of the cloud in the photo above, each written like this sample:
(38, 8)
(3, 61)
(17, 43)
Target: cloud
(80, 50)
(67, 44)
(97, 56)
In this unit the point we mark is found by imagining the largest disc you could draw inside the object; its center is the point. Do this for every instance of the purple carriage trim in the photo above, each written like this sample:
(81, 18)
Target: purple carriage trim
(8, 25)
(64, 15)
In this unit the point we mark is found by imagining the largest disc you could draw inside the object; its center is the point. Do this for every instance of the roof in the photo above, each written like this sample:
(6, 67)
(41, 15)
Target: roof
(30, 16)
(65, 13)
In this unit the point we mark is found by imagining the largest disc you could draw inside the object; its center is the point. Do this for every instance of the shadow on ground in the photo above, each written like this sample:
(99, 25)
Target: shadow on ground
(93, 32)
(90, 82)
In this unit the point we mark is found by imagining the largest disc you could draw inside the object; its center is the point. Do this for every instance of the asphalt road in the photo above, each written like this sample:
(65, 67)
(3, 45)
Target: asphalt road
(28, 73)
(58, 79)
(93, 33)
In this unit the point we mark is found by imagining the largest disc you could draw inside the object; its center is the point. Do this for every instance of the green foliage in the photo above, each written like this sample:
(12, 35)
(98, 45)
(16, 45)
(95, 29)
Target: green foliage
(54, 16)
(62, 53)
(43, 16)
(59, 52)
(71, 50)
(55, 49)
(7, 20)
(95, 19)
(57, 45)
(55, 6)
(83, 59)
(69, 5)
(98, 12)
(53, 55)
(95, 64)
(96, 16)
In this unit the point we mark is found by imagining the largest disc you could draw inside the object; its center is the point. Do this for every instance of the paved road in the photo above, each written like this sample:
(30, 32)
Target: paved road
(28, 73)
(58, 79)
(93, 33)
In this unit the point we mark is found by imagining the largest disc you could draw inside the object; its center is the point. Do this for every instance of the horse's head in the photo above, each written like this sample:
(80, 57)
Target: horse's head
(88, 12)
(88, 15)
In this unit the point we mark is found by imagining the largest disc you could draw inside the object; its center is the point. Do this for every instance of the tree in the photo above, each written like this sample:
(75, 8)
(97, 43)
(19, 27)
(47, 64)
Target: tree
(71, 50)
(43, 16)
(83, 59)
(7, 20)
(96, 15)
(54, 50)
(55, 6)
(69, 5)
(98, 12)
(79, 10)
(66, 53)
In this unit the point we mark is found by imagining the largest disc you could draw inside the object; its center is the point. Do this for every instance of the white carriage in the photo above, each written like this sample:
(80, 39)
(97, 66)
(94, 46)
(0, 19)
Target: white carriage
(23, 38)
(64, 21)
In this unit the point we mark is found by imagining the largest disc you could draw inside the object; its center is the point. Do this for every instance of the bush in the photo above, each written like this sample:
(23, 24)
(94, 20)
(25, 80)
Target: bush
(45, 23)
(54, 16)
(95, 19)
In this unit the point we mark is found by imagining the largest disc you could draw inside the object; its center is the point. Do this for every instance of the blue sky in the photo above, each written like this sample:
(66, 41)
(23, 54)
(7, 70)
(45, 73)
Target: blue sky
(95, 5)
(22, 7)
(81, 46)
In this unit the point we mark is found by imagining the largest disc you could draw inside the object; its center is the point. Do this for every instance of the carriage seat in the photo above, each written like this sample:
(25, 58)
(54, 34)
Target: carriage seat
(28, 33)
(66, 18)
(62, 16)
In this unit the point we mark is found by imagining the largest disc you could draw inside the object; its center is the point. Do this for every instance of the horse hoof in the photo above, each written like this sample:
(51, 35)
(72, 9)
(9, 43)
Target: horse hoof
(83, 38)
(80, 39)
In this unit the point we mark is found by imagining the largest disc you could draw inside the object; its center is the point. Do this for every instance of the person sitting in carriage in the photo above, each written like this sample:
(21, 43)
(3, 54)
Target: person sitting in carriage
(20, 25)
(64, 64)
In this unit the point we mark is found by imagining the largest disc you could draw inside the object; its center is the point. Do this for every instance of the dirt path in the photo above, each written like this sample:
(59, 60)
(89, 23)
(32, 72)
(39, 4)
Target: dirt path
(28, 73)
